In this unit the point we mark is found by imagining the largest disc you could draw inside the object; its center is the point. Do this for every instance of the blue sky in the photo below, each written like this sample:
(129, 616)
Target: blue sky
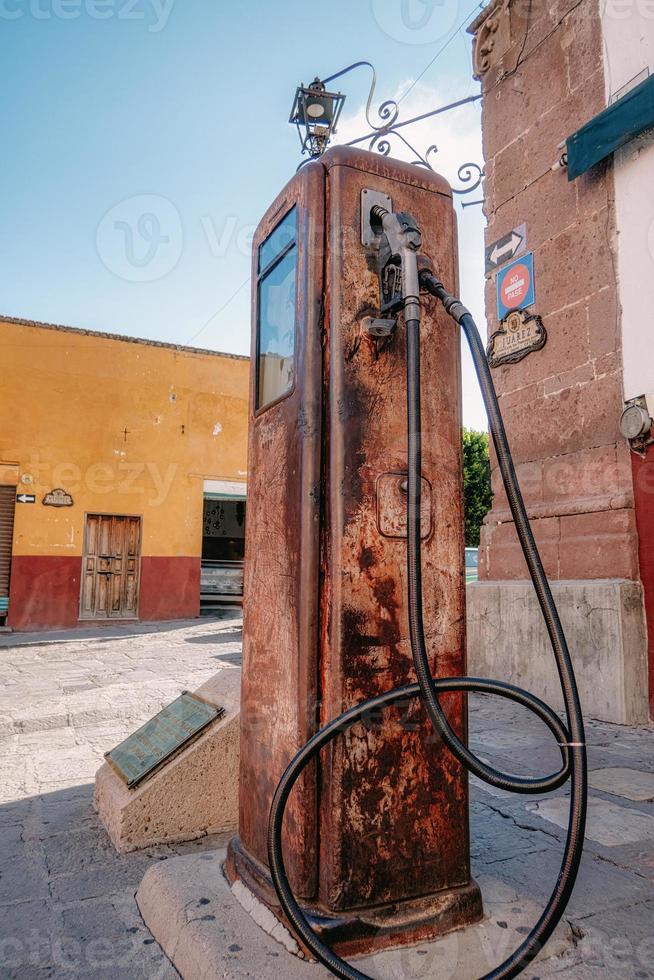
(113, 110)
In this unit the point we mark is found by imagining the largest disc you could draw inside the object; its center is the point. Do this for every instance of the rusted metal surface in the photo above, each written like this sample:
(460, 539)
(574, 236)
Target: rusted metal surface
(385, 820)
(393, 815)
(391, 506)
(280, 607)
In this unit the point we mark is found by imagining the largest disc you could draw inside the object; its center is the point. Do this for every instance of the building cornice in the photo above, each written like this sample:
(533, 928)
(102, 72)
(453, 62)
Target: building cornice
(120, 337)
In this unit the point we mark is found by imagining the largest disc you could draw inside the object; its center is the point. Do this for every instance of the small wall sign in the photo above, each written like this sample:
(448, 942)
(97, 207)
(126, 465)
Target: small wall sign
(520, 333)
(515, 286)
(58, 498)
(506, 248)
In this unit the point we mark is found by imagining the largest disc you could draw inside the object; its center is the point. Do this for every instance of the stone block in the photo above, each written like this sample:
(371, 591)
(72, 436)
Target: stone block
(565, 422)
(192, 795)
(581, 38)
(574, 264)
(603, 322)
(543, 221)
(599, 545)
(589, 475)
(530, 477)
(569, 378)
(504, 559)
(605, 627)
(522, 97)
(565, 359)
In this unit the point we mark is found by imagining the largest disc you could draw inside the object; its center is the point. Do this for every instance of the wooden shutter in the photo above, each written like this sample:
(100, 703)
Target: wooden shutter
(7, 507)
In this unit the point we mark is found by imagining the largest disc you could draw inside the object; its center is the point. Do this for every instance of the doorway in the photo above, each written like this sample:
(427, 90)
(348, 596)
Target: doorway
(223, 550)
(110, 567)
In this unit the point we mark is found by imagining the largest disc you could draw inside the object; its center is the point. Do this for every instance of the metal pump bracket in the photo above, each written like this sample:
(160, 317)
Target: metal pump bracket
(370, 236)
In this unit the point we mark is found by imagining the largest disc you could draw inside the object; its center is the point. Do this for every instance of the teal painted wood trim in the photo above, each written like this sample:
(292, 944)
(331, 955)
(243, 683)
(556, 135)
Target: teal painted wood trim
(617, 125)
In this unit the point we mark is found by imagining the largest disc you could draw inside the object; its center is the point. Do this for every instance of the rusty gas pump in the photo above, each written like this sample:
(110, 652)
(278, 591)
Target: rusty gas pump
(354, 536)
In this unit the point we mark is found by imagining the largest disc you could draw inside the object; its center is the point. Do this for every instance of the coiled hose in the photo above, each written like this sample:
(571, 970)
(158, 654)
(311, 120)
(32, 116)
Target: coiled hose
(570, 737)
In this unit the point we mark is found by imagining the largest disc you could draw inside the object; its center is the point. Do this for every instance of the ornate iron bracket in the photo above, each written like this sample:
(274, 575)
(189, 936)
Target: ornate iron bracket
(387, 128)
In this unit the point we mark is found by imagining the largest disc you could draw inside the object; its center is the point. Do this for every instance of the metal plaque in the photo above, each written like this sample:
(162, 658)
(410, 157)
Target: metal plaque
(161, 737)
(520, 333)
(58, 498)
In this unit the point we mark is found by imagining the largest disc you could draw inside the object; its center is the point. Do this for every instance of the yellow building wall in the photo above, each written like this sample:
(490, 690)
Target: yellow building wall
(124, 427)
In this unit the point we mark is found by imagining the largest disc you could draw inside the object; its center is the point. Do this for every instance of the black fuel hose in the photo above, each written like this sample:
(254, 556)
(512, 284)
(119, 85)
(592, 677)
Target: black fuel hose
(570, 737)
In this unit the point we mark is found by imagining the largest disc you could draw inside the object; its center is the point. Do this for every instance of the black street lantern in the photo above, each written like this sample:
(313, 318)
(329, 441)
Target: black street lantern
(315, 112)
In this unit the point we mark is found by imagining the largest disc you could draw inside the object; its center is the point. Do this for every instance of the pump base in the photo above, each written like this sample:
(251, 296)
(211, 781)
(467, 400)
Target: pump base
(364, 930)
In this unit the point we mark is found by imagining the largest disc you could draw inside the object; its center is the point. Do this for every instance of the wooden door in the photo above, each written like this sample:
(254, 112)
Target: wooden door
(110, 567)
(7, 505)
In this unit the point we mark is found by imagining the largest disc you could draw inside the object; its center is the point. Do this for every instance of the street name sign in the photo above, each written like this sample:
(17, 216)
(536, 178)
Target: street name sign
(520, 333)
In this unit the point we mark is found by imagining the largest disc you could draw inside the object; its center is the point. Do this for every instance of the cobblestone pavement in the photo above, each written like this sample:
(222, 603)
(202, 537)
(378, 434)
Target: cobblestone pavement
(519, 840)
(67, 899)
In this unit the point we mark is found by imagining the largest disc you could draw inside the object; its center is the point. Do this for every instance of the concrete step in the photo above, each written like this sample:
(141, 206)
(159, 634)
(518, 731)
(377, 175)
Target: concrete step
(203, 927)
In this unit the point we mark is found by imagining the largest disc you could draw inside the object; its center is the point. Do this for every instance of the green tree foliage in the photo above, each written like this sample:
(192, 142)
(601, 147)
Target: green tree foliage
(476, 483)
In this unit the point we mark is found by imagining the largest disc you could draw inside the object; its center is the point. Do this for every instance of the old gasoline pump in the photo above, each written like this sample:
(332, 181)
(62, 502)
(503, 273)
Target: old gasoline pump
(354, 684)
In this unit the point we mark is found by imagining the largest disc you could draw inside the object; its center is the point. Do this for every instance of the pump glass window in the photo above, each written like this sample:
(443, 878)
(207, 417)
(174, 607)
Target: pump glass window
(276, 323)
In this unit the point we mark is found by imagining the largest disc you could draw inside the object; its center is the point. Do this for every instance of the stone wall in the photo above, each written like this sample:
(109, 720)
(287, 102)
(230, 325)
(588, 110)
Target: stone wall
(542, 74)
(542, 70)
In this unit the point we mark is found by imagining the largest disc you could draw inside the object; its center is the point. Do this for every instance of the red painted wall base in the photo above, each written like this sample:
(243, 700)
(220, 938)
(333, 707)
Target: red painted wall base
(643, 473)
(170, 588)
(44, 592)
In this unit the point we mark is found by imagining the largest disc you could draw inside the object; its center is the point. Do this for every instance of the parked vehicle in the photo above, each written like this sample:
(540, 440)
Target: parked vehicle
(472, 560)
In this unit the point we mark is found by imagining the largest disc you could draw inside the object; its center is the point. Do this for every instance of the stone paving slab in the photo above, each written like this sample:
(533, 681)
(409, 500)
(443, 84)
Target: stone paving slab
(632, 784)
(607, 823)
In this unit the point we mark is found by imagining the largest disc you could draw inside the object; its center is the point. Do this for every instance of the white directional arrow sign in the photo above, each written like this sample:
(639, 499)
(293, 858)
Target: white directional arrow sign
(26, 498)
(506, 248)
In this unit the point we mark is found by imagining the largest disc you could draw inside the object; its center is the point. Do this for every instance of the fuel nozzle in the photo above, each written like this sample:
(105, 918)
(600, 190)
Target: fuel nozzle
(399, 243)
